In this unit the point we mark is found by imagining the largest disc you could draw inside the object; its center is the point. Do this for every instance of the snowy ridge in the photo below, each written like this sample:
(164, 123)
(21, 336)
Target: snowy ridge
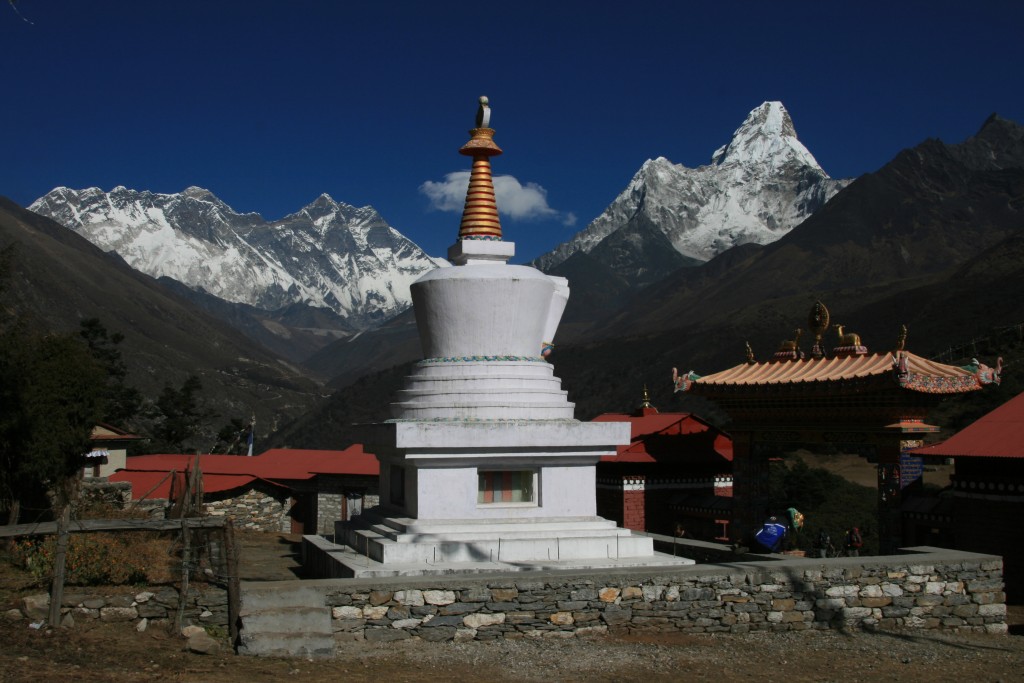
(327, 254)
(760, 185)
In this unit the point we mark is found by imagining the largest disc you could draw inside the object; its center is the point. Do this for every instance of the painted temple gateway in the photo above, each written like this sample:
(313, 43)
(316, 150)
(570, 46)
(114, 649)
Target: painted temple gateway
(848, 398)
(483, 466)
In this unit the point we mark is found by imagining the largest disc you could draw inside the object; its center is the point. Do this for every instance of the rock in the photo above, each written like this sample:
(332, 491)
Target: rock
(13, 615)
(202, 643)
(632, 593)
(190, 630)
(439, 597)
(405, 623)
(118, 614)
(67, 621)
(346, 612)
(375, 612)
(475, 621)
(36, 607)
(562, 618)
(409, 598)
(464, 634)
(141, 626)
(380, 597)
(144, 596)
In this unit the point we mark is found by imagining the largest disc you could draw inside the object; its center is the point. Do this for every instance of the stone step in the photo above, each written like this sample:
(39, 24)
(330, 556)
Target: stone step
(287, 619)
(306, 645)
(256, 596)
(488, 410)
(478, 368)
(473, 535)
(363, 567)
(496, 378)
(510, 549)
(373, 516)
(467, 394)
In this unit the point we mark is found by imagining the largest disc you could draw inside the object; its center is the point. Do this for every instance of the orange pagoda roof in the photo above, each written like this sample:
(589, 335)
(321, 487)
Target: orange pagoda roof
(902, 369)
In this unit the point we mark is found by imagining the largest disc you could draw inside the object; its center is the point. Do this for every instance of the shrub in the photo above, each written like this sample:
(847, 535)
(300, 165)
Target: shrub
(100, 558)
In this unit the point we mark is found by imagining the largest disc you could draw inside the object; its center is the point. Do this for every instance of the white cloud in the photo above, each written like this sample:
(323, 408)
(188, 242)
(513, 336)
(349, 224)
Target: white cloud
(515, 200)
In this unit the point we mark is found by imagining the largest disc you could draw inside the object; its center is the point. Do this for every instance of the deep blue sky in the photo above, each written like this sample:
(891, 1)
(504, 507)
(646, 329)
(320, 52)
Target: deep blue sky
(269, 103)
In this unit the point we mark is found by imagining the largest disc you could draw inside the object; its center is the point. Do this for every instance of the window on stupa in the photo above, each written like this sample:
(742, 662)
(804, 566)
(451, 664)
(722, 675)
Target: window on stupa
(506, 486)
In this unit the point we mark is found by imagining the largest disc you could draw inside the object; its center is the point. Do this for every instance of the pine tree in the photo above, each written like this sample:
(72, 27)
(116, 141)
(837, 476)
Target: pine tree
(123, 402)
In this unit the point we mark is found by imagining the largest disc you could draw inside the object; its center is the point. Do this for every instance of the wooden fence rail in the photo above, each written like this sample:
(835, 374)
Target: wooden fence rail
(88, 525)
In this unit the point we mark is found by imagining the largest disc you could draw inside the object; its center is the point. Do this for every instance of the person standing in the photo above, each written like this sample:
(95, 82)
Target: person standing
(854, 541)
(824, 543)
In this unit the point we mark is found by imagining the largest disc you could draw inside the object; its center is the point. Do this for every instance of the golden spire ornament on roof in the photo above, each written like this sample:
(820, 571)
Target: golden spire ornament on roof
(480, 216)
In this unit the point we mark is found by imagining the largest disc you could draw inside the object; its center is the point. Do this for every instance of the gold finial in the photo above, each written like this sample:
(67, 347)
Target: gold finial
(901, 341)
(480, 216)
(750, 354)
(646, 402)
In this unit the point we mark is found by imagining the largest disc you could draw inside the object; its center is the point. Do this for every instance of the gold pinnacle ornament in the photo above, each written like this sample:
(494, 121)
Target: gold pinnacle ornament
(480, 216)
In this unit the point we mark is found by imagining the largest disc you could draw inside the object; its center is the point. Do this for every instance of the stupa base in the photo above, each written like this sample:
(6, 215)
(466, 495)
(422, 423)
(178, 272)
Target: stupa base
(373, 545)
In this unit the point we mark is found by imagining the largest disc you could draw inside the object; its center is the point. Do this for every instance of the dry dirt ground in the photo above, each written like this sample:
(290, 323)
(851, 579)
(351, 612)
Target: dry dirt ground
(858, 470)
(117, 652)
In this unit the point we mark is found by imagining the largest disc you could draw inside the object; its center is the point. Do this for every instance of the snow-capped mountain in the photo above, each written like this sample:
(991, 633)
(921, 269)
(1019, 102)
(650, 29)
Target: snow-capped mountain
(328, 254)
(760, 185)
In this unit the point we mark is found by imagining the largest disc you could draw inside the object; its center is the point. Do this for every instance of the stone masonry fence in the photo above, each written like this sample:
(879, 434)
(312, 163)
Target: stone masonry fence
(928, 588)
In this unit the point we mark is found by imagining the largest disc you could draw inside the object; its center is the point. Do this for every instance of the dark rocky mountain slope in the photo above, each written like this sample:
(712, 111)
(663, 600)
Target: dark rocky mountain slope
(58, 279)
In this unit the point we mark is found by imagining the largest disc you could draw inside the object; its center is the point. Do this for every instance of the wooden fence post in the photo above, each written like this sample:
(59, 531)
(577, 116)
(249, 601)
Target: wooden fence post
(234, 592)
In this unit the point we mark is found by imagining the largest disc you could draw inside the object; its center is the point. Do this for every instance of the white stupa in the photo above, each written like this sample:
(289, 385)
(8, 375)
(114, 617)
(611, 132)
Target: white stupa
(483, 466)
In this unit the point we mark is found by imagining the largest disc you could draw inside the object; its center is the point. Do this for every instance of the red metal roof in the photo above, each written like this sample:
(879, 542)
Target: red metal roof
(225, 472)
(999, 434)
(648, 429)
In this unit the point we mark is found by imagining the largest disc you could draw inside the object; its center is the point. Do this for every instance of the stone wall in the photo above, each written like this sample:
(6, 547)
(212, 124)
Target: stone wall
(263, 508)
(331, 491)
(929, 589)
(205, 607)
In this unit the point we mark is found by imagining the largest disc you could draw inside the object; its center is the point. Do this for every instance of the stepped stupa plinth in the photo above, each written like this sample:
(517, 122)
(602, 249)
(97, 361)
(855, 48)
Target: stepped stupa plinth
(483, 466)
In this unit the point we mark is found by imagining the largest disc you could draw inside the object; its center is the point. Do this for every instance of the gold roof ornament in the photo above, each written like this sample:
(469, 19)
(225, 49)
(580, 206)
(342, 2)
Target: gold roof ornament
(849, 343)
(750, 354)
(901, 340)
(817, 323)
(480, 215)
(789, 349)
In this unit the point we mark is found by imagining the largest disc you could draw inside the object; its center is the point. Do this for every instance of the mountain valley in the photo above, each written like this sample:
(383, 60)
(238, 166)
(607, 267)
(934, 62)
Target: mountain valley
(931, 240)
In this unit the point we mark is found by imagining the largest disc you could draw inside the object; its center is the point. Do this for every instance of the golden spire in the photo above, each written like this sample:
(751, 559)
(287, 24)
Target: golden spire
(480, 217)
(646, 402)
